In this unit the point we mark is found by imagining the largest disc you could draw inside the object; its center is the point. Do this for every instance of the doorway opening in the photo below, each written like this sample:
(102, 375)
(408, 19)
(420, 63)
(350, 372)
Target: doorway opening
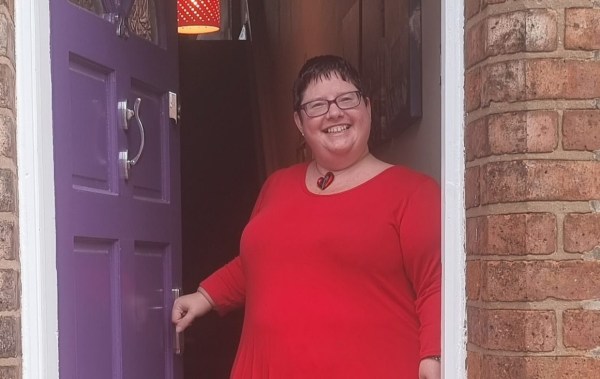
(220, 78)
(36, 218)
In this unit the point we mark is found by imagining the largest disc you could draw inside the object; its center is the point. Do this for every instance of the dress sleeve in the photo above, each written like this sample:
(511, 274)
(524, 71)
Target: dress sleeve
(227, 285)
(420, 232)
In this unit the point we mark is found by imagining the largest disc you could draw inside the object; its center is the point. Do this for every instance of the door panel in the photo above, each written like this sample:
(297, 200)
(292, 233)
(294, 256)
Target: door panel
(149, 309)
(94, 315)
(118, 239)
(147, 178)
(92, 89)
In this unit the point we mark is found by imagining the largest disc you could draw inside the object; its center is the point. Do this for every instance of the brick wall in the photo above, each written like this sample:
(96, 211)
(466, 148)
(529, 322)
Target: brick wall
(532, 89)
(10, 336)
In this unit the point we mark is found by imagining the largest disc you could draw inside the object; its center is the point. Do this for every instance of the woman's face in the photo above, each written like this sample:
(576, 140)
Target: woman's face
(338, 137)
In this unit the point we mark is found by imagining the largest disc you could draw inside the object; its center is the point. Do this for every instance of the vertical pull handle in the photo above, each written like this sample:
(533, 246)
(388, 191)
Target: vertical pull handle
(126, 114)
(178, 341)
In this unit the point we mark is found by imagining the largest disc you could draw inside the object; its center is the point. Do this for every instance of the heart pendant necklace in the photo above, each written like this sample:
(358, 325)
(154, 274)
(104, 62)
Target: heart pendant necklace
(325, 180)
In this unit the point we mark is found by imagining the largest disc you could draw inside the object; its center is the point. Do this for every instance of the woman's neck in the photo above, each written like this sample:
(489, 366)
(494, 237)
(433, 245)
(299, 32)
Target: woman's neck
(337, 167)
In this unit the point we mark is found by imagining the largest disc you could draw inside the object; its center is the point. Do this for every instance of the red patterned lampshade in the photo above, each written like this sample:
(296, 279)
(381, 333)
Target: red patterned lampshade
(198, 16)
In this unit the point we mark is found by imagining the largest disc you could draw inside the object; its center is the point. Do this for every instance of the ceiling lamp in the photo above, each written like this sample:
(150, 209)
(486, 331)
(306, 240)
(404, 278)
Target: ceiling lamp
(198, 16)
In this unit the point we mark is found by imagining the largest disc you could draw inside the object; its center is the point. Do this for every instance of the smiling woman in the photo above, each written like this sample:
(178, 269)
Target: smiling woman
(339, 268)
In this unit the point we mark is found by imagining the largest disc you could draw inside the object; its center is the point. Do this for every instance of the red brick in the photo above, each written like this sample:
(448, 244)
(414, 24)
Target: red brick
(540, 180)
(473, 238)
(9, 337)
(475, 43)
(7, 136)
(10, 5)
(509, 33)
(508, 133)
(540, 280)
(474, 361)
(562, 367)
(7, 87)
(513, 330)
(541, 30)
(472, 7)
(473, 279)
(472, 187)
(512, 133)
(7, 240)
(582, 29)
(504, 182)
(512, 234)
(505, 33)
(523, 132)
(503, 82)
(536, 79)
(581, 329)
(581, 130)
(477, 139)
(9, 372)
(473, 89)
(562, 79)
(7, 38)
(9, 290)
(581, 232)
(7, 191)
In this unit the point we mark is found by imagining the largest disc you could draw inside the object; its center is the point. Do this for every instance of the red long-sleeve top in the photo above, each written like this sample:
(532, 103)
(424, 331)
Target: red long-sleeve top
(337, 286)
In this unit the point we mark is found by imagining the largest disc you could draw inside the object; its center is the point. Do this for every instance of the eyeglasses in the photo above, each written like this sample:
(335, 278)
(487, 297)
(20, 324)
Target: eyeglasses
(319, 107)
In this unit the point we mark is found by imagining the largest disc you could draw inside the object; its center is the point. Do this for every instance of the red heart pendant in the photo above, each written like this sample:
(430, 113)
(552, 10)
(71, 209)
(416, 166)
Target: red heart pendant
(325, 180)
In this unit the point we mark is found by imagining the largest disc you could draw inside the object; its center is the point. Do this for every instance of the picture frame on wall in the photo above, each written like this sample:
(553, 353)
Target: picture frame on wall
(390, 64)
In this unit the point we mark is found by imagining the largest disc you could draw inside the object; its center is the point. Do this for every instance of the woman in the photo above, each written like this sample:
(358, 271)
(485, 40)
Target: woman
(339, 268)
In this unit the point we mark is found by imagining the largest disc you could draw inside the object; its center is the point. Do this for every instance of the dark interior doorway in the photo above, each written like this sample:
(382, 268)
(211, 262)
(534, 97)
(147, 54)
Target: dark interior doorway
(221, 178)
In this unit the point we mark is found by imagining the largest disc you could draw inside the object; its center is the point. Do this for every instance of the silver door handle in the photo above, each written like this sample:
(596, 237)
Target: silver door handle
(126, 114)
(178, 342)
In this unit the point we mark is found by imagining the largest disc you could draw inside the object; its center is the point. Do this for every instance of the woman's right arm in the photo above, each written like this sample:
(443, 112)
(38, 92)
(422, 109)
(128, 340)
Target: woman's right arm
(222, 291)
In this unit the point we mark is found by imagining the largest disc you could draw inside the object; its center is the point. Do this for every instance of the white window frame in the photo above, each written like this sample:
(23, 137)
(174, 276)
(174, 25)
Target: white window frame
(36, 191)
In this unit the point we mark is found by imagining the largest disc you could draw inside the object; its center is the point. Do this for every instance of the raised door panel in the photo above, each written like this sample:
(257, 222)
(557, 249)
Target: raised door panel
(93, 131)
(147, 177)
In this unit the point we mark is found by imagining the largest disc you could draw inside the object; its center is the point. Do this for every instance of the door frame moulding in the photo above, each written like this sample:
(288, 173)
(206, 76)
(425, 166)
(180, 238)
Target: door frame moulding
(35, 162)
(454, 341)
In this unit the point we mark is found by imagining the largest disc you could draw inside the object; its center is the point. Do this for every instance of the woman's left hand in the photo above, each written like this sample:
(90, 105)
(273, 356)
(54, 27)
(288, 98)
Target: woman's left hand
(430, 368)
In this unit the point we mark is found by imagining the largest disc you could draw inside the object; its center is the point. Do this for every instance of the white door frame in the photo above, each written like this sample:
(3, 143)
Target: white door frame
(35, 162)
(39, 308)
(454, 302)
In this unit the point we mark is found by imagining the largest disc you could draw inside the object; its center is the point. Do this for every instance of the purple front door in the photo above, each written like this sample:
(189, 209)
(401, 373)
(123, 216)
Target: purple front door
(118, 232)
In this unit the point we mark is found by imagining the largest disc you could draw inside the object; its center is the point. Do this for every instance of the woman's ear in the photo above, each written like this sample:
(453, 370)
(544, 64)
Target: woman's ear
(298, 121)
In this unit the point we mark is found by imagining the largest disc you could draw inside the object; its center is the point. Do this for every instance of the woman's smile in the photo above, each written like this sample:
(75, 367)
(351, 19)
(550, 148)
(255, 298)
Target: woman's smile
(337, 129)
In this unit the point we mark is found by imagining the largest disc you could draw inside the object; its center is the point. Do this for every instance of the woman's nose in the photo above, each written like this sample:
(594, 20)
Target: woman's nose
(334, 111)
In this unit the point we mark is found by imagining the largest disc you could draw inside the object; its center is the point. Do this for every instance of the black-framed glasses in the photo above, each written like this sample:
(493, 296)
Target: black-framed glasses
(319, 107)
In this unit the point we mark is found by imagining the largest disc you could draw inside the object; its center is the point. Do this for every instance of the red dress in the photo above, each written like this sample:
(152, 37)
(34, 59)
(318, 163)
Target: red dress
(338, 286)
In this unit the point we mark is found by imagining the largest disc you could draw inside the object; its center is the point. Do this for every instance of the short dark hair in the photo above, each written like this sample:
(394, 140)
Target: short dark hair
(323, 67)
